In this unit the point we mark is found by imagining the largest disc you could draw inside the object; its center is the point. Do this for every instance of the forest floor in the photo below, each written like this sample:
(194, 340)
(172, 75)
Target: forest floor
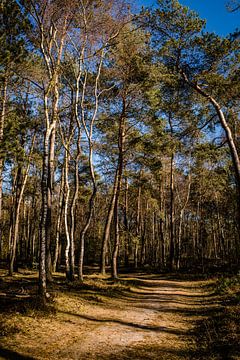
(140, 317)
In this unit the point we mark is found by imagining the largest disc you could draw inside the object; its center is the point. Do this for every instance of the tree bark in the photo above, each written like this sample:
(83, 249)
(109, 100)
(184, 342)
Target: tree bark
(16, 220)
(2, 121)
(108, 222)
(66, 206)
(121, 146)
(138, 224)
(172, 247)
(59, 222)
(44, 222)
(126, 237)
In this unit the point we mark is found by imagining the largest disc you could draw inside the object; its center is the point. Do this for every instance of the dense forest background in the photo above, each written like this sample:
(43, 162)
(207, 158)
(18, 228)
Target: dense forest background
(120, 139)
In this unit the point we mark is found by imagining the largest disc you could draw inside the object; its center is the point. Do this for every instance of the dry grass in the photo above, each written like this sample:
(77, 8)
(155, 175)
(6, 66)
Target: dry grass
(140, 317)
(220, 332)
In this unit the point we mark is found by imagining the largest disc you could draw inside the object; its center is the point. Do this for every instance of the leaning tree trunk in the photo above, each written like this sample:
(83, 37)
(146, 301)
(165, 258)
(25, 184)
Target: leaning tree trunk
(230, 141)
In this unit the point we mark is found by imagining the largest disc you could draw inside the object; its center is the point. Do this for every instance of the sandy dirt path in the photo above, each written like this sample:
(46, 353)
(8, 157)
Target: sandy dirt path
(155, 320)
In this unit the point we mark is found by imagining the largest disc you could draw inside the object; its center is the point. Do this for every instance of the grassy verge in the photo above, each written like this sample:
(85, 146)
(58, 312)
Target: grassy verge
(220, 330)
(20, 305)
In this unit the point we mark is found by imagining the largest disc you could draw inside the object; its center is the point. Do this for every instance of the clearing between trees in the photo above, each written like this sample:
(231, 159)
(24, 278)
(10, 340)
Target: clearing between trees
(140, 317)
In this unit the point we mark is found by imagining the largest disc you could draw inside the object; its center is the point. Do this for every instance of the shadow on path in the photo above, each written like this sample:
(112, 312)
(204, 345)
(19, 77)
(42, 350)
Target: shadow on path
(126, 323)
(13, 355)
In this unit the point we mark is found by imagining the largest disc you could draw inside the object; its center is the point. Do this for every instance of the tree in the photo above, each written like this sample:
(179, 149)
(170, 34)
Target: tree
(13, 53)
(128, 72)
(206, 63)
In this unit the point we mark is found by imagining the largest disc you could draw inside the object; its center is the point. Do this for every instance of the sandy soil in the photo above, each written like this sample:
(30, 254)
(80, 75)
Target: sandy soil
(156, 319)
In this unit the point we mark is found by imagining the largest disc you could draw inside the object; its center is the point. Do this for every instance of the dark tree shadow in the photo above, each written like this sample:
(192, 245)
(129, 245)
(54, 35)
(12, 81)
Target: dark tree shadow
(127, 323)
(13, 355)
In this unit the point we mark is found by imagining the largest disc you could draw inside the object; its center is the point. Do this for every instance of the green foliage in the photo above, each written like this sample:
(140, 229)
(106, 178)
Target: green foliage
(228, 285)
(12, 33)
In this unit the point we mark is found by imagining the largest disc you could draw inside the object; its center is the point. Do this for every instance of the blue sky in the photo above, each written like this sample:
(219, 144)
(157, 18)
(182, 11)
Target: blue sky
(219, 20)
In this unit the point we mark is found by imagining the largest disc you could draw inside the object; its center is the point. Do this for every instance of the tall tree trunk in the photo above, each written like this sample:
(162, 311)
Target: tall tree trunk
(52, 54)
(172, 250)
(116, 241)
(2, 121)
(106, 232)
(66, 206)
(72, 230)
(161, 225)
(143, 226)
(138, 224)
(91, 200)
(83, 233)
(89, 134)
(59, 223)
(181, 220)
(44, 220)
(121, 146)
(16, 220)
(126, 237)
(51, 170)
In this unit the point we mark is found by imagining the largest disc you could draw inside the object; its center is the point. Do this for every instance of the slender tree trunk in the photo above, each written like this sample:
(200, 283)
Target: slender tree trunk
(117, 240)
(138, 225)
(89, 134)
(52, 55)
(51, 169)
(44, 222)
(59, 222)
(181, 220)
(136, 248)
(2, 121)
(107, 227)
(66, 206)
(13, 207)
(172, 250)
(16, 221)
(221, 236)
(126, 237)
(90, 210)
(72, 230)
(161, 227)
(179, 239)
(121, 146)
(83, 233)
(143, 225)
(33, 227)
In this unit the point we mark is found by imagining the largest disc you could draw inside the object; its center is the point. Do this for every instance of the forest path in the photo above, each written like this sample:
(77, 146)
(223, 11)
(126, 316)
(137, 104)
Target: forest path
(156, 319)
